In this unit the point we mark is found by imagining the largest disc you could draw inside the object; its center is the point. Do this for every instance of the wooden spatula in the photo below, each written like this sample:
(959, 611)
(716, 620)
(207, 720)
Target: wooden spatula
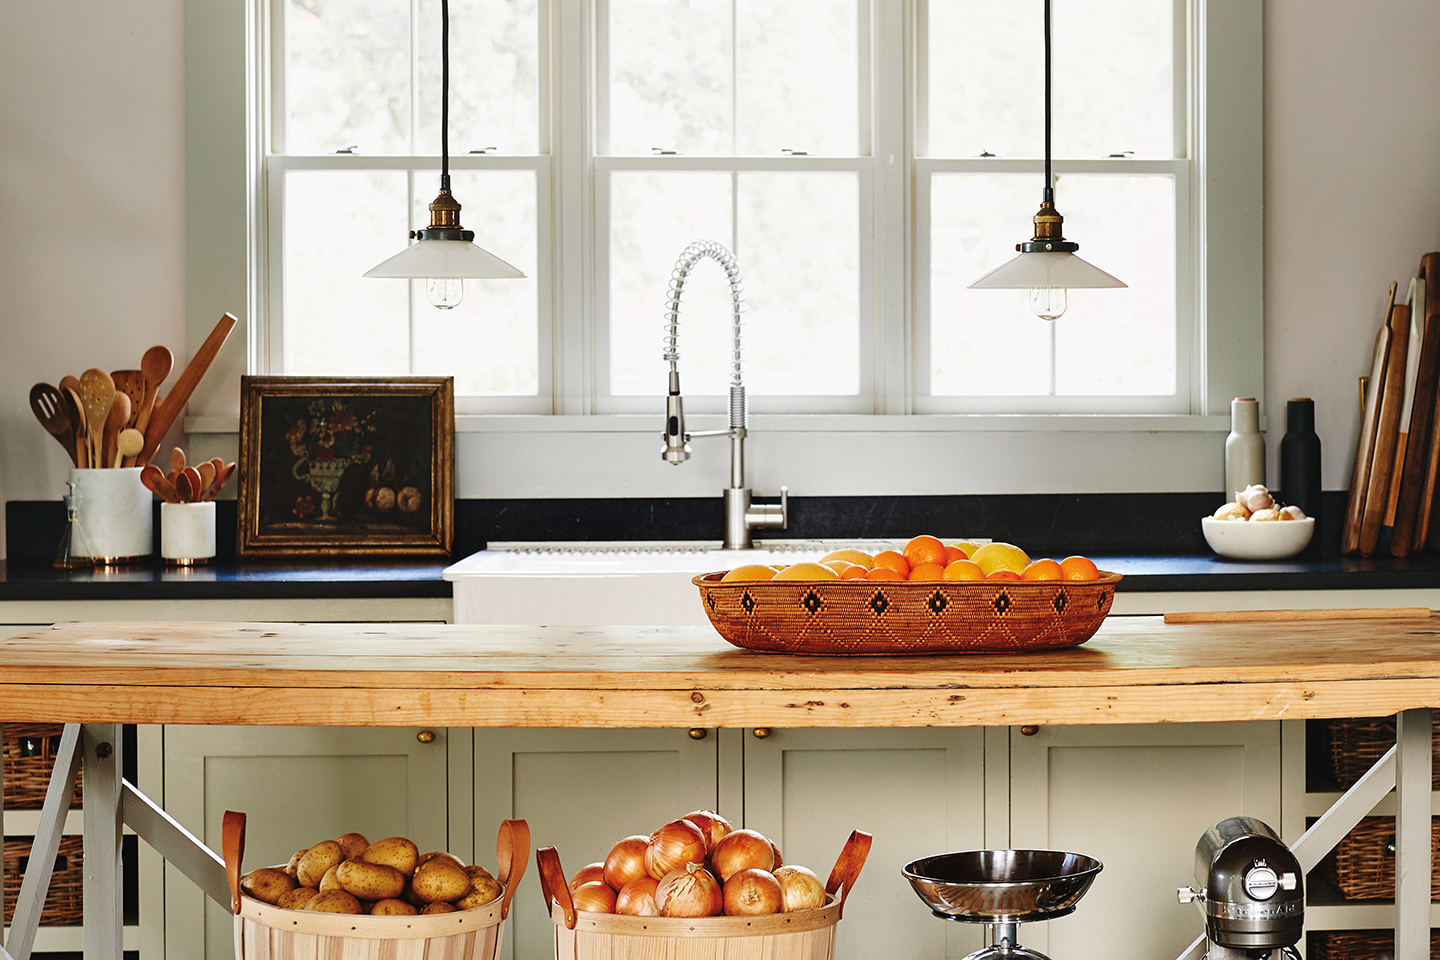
(49, 408)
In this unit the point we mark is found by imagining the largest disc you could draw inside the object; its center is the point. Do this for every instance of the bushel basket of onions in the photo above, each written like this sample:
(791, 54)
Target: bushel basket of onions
(699, 889)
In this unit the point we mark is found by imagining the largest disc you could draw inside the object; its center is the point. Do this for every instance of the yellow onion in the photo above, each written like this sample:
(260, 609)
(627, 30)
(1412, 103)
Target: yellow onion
(752, 891)
(800, 888)
(637, 898)
(779, 860)
(626, 861)
(714, 826)
(742, 850)
(594, 897)
(673, 846)
(691, 891)
(586, 874)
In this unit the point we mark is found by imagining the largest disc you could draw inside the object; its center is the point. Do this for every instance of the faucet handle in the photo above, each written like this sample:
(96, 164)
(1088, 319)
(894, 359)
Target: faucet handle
(770, 515)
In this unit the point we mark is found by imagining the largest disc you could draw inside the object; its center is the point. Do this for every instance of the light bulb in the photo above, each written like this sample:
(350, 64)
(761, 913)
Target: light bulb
(446, 293)
(1047, 302)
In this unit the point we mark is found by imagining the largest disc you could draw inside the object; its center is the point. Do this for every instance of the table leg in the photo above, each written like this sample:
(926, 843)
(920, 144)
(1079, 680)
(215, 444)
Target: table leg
(103, 936)
(1414, 732)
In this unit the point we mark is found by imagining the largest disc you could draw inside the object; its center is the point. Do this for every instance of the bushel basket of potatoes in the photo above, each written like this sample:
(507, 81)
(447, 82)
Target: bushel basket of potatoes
(698, 888)
(338, 897)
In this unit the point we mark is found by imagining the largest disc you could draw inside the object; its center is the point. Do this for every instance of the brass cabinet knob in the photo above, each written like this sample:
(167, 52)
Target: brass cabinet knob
(698, 733)
(1029, 730)
(761, 733)
(426, 736)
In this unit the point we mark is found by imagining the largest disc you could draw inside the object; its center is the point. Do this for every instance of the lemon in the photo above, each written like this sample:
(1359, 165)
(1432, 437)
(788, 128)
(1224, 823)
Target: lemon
(807, 571)
(854, 556)
(1000, 556)
(969, 546)
(748, 571)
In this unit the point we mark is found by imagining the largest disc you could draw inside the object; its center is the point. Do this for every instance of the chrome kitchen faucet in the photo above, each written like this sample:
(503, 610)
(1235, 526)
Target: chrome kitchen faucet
(741, 516)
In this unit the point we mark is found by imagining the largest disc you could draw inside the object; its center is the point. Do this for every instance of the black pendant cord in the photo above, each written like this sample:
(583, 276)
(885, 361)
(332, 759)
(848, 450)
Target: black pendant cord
(1049, 191)
(445, 93)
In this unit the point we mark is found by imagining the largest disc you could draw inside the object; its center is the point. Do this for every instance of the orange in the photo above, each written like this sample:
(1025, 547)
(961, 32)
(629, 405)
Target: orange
(964, 570)
(1002, 575)
(807, 571)
(853, 572)
(953, 553)
(927, 571)
(854, 556)
(1079, 568)
(748, 571)
(883, 573)
(1042, 570)
(893, 561)
(923, 549)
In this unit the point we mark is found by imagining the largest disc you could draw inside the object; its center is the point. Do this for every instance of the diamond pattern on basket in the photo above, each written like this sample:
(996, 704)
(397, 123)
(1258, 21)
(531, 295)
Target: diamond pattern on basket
(1002, 604)
(1059, 603)
(812, 602)
(937, 603)
(879, 603)
(748, 602)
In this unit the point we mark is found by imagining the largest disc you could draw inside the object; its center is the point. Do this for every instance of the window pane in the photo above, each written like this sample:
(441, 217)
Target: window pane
(797, 83)
(347, 76)
(337, 226)
(1112, 71)
(1112, 342)
(489, 342)
(494, 66)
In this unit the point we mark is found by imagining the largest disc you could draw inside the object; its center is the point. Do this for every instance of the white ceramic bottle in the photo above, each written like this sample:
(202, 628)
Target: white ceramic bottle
(1244, 447)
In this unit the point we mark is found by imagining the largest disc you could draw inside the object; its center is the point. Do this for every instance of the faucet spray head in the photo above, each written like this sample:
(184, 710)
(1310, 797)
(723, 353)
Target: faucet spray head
(677, 446)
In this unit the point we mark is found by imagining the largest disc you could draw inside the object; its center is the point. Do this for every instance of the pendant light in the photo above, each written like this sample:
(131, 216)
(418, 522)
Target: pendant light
(444, 252)
(1047, 264)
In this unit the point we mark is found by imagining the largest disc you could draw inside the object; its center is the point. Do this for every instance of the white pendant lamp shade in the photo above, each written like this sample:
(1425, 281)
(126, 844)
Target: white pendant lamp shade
(445, 259)
(1045, 270)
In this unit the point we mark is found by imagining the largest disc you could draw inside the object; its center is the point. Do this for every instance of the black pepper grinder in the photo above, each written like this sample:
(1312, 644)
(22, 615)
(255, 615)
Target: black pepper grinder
(1300, 457)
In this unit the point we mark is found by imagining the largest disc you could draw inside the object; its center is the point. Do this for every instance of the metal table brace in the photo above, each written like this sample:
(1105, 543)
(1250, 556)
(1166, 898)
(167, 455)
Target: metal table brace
(112, 803)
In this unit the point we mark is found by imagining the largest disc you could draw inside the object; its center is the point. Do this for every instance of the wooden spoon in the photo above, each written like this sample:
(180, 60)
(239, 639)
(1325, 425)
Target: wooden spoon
(165, 415)
(155, 367)
(115, 421)
(206, 469)
(151, 476)
(97, 392)
(49, 408)
(129, 443)
(132, 384)
(75, 410)
(183, 488)
(177, 458)
(191, 478)
(222, 477)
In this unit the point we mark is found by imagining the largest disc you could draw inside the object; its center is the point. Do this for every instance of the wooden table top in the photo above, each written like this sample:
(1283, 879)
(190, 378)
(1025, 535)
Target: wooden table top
(1134, 670)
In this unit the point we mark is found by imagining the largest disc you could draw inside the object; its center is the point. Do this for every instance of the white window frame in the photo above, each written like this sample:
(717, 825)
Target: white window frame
(575, 445)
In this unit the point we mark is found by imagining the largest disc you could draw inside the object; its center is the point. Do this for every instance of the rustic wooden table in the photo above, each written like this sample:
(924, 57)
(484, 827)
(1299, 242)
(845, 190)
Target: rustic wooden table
(1135, 670)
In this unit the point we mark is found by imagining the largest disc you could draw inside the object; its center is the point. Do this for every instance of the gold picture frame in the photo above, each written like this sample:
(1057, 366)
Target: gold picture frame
(346, 466)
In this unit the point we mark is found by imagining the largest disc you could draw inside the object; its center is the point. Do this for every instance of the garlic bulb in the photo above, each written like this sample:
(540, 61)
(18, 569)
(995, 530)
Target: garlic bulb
(1232, 511)
(1255, 497)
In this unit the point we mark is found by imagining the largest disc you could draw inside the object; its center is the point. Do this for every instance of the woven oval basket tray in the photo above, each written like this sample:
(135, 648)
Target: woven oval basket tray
(872, 617)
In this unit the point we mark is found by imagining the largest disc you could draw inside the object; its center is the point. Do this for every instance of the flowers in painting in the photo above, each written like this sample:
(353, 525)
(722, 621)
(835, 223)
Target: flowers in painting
(331, 431)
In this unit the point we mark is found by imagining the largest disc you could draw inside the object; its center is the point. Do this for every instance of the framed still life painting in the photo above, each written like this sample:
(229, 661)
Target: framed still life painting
(346, 466)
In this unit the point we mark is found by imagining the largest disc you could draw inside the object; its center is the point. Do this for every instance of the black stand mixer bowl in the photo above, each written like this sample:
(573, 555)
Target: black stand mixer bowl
(1002, 888)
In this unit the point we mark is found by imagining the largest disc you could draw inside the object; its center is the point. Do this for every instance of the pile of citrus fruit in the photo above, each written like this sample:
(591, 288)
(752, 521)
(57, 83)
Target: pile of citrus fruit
(925, 558)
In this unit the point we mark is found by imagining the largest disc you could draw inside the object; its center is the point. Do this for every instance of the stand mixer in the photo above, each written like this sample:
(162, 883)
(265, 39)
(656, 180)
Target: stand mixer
(1251, 892)
(1002, 888)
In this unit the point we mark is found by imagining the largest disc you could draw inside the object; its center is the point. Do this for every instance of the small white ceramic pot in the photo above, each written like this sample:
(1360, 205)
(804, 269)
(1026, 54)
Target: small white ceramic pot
(187, 532)
(112, 515)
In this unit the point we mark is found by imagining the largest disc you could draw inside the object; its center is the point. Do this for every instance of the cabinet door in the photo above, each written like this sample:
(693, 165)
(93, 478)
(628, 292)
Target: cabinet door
(1137, 798)
(580, 791)
(919, 792)
(296, 786)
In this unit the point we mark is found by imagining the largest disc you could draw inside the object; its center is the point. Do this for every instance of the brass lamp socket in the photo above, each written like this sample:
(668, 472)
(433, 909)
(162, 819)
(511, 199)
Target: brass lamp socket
(444, 219)
(1049, 232)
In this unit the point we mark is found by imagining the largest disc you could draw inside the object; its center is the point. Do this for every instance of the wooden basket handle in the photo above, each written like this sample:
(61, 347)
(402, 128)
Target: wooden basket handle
(847, 866)
(232, 844)
(513, 839)
(552, 884)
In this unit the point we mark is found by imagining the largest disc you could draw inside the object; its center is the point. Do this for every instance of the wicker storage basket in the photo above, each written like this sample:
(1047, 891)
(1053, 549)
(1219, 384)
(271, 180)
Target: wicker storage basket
(28, 754)
(801, 935)
(906, 616)
(1355, 745)
(1359, 944)
(265, 932)
(1362, 866)
(63, 904)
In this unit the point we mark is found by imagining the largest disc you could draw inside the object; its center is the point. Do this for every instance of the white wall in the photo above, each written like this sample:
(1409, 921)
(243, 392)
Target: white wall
(92, 207)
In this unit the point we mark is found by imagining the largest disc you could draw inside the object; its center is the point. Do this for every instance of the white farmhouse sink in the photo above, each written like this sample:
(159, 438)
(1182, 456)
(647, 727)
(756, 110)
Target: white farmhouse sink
(608, 584)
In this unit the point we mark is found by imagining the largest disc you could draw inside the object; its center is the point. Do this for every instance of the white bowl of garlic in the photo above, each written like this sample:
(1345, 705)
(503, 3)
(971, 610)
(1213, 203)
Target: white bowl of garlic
(1255, 527)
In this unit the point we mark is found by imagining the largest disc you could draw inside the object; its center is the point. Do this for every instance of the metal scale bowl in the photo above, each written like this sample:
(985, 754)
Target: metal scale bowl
(1002, 888)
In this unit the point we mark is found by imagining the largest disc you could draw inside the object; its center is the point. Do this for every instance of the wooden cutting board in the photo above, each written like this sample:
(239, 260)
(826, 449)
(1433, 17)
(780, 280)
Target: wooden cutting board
(1403, 538)
(1387, 430)
(1364, 450)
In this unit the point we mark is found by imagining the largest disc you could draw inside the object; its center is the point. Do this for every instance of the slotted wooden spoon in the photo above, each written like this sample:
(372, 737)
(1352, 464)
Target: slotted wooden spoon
(49, 408)
(132, 384)
(97, 393)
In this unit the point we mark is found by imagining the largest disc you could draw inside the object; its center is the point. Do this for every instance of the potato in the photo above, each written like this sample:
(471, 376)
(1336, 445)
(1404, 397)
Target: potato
(427, 857)
(295, 861)
(297, 898)
(439, 879)
(438, 906)
(330, 881)
(393, 908)
(336, 901)
(394, 851)
(409, 897)
(483, 889)
(315, 861)
(353, 844)
(268, 884)
(370, 881)
(475, 871)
